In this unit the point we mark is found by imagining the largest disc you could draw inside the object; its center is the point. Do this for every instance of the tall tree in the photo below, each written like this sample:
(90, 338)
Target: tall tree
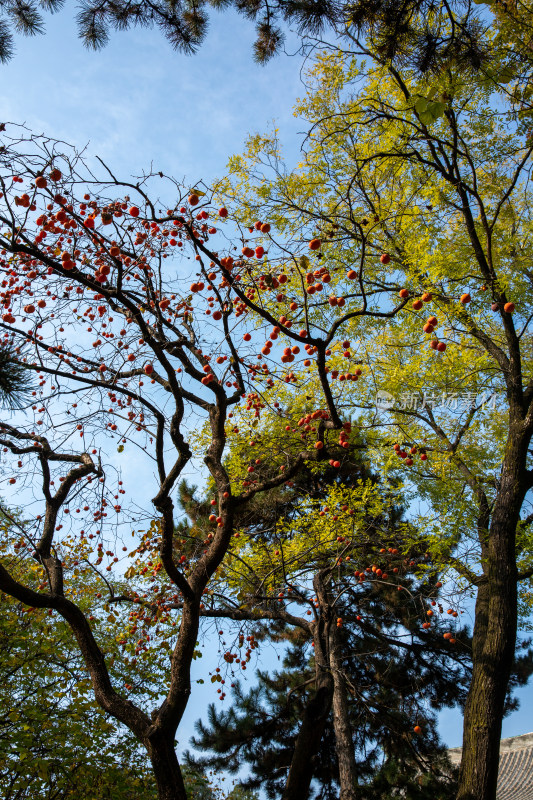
(149, 327)
(418, 182)
(259, 729)
(101, 259)
(306, 540)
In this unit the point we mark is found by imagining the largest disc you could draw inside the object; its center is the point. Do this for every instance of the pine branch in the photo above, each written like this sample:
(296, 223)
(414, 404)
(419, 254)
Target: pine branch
(15, 379)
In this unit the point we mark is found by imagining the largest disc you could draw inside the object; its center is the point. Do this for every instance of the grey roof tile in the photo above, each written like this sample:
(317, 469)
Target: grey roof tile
(515, 779)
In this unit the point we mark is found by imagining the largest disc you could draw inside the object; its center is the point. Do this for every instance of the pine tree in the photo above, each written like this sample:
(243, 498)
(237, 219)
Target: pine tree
(15, 379)
(259, 729)
(389, 661)
(388, 674)
(398, 674)
(412, 32)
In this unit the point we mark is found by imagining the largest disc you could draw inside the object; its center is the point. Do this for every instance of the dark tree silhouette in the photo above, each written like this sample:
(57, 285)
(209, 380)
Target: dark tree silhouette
(426, 34)
(15, 379)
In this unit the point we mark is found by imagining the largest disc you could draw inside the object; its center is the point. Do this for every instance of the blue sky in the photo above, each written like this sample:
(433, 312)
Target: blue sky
(138, 103)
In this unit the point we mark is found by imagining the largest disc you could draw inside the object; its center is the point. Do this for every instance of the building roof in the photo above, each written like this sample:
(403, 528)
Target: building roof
(515, 778)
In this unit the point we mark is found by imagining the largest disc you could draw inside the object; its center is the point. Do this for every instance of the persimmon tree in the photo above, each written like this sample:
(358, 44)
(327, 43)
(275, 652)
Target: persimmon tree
(97, 306)
(425, 181)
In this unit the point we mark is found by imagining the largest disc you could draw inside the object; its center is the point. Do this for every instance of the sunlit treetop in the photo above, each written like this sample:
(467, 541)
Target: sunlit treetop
(436, 169)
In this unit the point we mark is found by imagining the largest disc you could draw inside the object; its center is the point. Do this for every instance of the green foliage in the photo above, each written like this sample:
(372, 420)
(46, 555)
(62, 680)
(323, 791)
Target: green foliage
(397, 671)
(373, 181)
(55, 742)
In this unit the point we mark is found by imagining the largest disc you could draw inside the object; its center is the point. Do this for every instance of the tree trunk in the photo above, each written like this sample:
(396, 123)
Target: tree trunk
(494, 635)
(308, 740)
(490, 676)
(343, 729)
(166, 769)
(319, 706)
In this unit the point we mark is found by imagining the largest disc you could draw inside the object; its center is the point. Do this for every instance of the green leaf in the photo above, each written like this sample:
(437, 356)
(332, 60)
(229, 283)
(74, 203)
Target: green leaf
(433, 111)
(505, 75)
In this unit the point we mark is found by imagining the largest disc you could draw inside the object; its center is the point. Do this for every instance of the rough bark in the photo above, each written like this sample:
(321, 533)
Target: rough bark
(319, 706)
(308, 740)
(343, 729)
(166, 769)
(494, 636)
